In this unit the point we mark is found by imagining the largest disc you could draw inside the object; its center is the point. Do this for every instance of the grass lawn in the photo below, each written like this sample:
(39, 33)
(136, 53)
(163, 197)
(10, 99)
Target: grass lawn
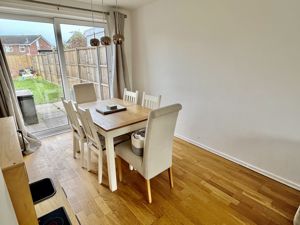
(42, 90)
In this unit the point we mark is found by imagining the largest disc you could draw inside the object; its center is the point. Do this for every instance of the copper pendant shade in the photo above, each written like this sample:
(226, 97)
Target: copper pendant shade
(94, 42)
(118, 39)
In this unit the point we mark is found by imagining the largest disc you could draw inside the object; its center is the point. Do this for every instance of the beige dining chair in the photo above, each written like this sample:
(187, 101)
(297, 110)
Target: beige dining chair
(78, 133)
(158, 146)
(130, 96)
(95, 142)
(84, 93)
(150, 101)
(297, 217)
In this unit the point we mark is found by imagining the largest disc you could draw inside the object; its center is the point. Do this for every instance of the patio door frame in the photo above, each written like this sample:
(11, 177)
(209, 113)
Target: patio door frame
(56, 22)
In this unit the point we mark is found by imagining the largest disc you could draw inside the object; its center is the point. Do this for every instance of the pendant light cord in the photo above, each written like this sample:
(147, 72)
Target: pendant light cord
(93, 17)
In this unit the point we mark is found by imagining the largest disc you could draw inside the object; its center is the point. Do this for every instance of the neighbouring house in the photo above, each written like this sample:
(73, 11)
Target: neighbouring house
(24, 44)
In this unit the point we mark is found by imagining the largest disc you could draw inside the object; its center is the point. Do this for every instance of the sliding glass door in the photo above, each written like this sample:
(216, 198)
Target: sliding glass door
(31, 52)
(83, 62)
(46, 59)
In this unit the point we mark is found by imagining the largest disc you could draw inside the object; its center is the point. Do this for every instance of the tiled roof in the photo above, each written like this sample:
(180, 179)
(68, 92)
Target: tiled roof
(18, 39)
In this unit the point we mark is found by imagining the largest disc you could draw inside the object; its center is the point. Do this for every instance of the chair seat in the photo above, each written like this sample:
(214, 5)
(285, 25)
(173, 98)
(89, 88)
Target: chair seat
(124, 151)
(117, 140)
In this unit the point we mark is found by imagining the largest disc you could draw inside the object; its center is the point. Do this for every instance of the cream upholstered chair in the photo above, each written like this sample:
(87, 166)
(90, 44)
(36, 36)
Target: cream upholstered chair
(150, 101)
(130, 96)
(84, 93)
(78, 133)
(95, 142)
(158, 146)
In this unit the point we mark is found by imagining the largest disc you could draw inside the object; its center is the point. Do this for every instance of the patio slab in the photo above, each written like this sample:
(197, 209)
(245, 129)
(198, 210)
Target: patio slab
(50, 115)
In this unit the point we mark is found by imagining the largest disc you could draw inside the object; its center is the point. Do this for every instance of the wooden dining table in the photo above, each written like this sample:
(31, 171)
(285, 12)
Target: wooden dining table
(116, 124)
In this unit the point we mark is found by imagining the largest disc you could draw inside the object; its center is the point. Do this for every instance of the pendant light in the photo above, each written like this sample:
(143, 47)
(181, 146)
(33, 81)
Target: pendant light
(105, 40)
(117, 38)
(94, 41)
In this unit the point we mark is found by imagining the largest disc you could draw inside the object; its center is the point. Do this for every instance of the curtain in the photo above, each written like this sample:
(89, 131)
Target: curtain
(10, 107)
(119, 78)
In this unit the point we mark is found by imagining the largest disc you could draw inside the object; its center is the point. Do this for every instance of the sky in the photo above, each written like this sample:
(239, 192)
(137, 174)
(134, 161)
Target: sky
(16, 27)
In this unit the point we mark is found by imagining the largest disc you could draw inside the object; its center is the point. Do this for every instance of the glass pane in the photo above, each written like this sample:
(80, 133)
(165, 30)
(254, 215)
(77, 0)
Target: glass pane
(31, 51)
(82, 60)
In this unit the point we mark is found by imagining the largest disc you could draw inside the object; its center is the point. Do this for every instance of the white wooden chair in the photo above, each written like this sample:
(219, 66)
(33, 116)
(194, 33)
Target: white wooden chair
(130, 96)
(150, 101)
(84, 93)
(78, 133)
(158, 146)
(95, 142)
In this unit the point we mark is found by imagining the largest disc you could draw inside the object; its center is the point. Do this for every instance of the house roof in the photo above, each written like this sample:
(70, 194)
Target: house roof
(19, 39)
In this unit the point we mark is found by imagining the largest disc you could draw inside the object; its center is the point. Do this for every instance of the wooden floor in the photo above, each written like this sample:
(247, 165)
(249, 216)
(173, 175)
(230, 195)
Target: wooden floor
(208, 190)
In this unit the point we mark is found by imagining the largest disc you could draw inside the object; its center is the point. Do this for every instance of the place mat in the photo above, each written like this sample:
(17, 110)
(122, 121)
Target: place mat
(105, 111)
(56, 217)
(42, 190)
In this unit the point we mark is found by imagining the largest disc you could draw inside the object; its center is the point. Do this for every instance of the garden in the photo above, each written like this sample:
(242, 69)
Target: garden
(42, 90)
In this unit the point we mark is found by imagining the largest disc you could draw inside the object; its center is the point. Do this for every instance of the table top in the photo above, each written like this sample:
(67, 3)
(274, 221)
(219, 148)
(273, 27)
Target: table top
(133, 114)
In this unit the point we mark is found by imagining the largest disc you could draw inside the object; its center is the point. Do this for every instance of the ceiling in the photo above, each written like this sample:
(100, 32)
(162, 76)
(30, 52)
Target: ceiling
(126, 4)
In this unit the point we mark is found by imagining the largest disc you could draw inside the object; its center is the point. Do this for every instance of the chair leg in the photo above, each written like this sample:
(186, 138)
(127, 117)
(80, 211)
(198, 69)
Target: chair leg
(171, 177)
(75, 146)
(119, 166)
(100, 167)
(149, 191)
(89, 156)
(82, 153)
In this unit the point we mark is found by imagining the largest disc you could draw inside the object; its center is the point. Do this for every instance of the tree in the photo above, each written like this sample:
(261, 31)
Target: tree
(76, 40)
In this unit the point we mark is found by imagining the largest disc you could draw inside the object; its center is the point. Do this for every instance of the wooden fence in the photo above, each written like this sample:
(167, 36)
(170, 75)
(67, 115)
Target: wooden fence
(18, 62)
(82, 64)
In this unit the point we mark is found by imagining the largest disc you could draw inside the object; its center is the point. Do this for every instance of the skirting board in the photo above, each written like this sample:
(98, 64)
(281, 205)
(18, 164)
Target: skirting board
(240, 162)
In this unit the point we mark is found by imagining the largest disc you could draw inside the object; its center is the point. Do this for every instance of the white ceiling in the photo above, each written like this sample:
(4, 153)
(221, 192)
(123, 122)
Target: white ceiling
(126, 4)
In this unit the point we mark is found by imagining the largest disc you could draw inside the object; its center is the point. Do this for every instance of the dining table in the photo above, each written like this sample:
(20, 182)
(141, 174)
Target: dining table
(116, 124)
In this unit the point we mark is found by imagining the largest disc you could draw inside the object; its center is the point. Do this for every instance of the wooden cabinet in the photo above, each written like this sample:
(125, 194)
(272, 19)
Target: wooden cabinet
(7, 211)
(15, 174)
(17, 182)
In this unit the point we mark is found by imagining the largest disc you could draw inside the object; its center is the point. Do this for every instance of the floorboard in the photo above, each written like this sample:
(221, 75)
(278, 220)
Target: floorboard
(208, 190)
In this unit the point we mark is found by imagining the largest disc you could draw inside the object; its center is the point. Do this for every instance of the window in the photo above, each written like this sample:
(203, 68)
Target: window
(8, 49)
(22, 48)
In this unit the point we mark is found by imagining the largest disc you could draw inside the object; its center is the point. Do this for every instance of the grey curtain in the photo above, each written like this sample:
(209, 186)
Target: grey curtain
(9, 105)
(120, 77)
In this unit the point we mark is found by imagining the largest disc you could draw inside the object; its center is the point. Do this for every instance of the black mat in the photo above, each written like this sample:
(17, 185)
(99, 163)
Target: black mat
(42, 190)
(56, 217)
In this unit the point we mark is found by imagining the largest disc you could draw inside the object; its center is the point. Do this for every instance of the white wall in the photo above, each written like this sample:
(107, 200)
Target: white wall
(235, 67)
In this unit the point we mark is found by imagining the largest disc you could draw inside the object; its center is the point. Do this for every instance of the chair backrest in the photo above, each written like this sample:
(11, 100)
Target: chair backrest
(84, 93)
(130, 96)
(88, 126)
(159, 140)
(150, 101)
(72, 116)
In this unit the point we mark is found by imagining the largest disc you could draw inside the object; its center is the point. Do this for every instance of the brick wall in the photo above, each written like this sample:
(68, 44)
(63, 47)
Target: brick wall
(30, 50)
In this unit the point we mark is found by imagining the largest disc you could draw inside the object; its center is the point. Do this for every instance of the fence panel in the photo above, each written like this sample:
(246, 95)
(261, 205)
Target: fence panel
(18, 62)
(81, 64)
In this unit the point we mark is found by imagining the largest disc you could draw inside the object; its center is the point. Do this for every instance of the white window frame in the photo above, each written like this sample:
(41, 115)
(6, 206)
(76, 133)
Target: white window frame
(8, 49)
(22, 48)
(60, 47)
(56, 21)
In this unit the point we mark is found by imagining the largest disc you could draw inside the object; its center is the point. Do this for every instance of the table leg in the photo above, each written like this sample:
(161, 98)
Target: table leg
(111, 166)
